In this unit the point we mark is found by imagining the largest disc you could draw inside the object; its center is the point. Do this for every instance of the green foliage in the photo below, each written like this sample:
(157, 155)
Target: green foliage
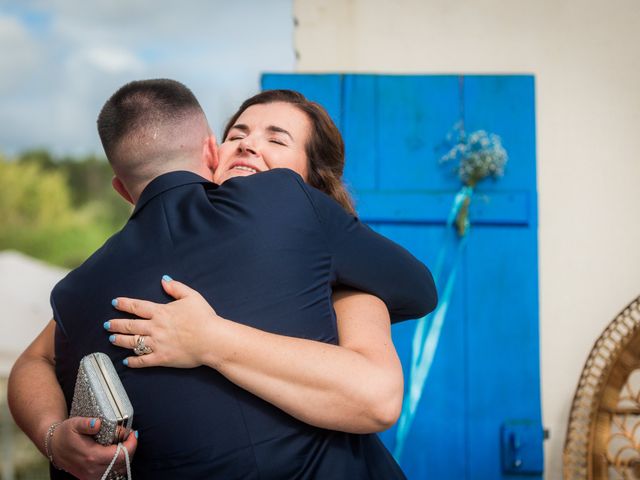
(58, 210)
(28, 196)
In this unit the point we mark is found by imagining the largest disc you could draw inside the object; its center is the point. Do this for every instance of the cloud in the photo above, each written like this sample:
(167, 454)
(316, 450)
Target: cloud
(19, 56)
(112, 60)
(71, 55)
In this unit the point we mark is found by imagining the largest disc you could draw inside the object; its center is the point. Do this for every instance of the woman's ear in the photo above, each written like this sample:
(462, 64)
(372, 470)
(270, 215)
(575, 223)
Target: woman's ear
(119, 187)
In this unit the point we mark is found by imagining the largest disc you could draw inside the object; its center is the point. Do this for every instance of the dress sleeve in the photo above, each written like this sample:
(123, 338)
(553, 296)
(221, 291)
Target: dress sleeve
(56, 314)
(370, 262)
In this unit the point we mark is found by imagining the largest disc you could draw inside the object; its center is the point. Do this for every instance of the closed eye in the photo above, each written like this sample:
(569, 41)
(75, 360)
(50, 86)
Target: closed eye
(237, 132)
(279, 142)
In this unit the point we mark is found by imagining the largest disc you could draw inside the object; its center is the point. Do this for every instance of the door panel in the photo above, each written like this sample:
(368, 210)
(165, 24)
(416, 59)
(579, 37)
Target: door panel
(433, 435)
(414, 116)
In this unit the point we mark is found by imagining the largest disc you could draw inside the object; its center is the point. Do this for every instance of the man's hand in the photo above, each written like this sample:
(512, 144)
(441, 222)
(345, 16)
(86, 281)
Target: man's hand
(74, 449)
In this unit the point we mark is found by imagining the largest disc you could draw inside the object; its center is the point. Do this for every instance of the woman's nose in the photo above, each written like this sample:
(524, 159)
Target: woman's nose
(246, 146)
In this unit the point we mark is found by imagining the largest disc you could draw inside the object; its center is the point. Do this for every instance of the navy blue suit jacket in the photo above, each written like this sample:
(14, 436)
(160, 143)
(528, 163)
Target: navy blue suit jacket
(264, 250)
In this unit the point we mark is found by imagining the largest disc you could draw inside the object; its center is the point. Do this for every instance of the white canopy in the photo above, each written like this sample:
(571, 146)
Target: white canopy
(25, 286)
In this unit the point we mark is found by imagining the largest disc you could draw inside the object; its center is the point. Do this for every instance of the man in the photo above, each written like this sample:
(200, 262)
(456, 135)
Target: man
(195, 423)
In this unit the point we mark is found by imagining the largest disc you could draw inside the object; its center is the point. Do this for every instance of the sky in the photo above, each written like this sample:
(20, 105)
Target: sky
(60, 60)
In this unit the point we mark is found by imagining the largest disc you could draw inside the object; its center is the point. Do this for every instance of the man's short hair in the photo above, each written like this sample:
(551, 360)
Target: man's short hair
(149, 127)
(139, 105)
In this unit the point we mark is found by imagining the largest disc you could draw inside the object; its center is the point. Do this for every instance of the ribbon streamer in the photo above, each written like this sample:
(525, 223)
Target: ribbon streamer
(425, 342)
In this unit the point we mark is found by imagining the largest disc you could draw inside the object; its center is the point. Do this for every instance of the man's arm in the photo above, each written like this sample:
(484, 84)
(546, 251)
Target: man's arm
(36, 402)
(367, 261)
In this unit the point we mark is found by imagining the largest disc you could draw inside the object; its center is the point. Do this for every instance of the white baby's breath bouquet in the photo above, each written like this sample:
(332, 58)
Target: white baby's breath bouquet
(479, 155)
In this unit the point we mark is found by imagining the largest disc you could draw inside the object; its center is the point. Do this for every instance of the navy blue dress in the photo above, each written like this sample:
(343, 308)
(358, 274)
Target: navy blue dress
(263, 250)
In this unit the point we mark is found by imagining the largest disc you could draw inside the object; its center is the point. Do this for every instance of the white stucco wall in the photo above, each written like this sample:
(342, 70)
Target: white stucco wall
(585, 55)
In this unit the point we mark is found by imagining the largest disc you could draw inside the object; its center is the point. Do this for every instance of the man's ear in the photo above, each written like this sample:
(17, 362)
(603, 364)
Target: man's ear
(211, 152)
(118, 186)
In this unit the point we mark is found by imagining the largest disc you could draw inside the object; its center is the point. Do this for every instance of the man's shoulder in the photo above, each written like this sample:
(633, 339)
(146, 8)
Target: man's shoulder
(271, 179)
(284, 187)
(267, 188)
(89, 264)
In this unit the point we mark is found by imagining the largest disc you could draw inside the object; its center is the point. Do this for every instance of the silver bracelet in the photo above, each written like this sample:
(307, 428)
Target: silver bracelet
(47, 443)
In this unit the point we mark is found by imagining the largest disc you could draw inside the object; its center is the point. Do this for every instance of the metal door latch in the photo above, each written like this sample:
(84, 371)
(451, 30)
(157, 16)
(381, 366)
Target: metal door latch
(521, 442)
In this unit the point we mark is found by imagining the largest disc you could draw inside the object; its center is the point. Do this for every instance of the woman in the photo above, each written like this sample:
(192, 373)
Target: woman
(312, 381)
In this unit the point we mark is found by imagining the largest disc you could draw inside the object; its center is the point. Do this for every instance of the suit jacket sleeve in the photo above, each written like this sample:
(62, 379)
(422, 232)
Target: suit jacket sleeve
(368, 261)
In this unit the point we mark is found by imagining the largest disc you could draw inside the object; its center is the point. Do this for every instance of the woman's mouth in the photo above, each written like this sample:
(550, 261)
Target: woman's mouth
(245, 168)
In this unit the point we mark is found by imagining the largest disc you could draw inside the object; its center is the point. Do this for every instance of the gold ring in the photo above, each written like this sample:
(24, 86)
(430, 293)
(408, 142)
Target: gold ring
(141, 348)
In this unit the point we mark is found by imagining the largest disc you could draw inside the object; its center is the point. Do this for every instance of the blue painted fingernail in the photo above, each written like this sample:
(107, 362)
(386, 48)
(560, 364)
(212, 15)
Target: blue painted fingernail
(167, 278)
(114, 302)
(136, 433)
(92, 423)
(125, 362)
(106, 325)
(112, 338)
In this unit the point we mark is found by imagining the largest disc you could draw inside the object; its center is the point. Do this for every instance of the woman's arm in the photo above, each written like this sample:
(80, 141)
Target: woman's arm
(355, 386)
(34, 395)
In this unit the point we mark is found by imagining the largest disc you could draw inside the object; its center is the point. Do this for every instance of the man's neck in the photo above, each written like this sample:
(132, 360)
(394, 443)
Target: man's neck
(139, 188)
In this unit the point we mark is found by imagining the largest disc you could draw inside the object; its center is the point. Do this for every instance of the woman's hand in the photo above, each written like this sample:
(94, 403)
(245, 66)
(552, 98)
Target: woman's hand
(178, 333)
(74, 449)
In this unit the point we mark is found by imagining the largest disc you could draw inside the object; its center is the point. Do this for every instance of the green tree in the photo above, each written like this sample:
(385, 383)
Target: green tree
(32, 197)
(57, 210)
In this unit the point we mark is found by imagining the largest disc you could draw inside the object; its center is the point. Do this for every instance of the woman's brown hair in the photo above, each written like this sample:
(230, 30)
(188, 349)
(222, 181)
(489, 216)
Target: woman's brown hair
(324, 149)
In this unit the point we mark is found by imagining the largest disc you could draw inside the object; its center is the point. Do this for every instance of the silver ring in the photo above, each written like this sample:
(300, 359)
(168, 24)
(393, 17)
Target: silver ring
(141, 348)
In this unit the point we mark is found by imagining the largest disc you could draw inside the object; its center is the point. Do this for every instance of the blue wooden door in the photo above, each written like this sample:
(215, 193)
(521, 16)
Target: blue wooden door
(479, 416)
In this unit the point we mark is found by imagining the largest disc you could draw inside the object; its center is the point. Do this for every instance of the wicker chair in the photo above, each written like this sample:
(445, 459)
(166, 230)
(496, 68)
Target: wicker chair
(603, 435)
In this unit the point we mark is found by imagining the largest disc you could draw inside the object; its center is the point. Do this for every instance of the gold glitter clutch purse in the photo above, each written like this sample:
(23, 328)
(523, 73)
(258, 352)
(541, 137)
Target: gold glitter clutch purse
(99, 393)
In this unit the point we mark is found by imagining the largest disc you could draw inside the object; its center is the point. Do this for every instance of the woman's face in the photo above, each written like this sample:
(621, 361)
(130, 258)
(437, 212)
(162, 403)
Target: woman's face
(265, 136)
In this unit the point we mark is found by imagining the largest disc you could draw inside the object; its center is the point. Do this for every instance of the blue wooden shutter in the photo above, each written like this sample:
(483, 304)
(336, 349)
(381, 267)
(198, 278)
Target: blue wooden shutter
(479, 416)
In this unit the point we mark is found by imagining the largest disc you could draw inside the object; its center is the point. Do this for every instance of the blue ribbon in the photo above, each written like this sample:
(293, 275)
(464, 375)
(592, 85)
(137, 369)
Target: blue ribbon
(425, 342)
